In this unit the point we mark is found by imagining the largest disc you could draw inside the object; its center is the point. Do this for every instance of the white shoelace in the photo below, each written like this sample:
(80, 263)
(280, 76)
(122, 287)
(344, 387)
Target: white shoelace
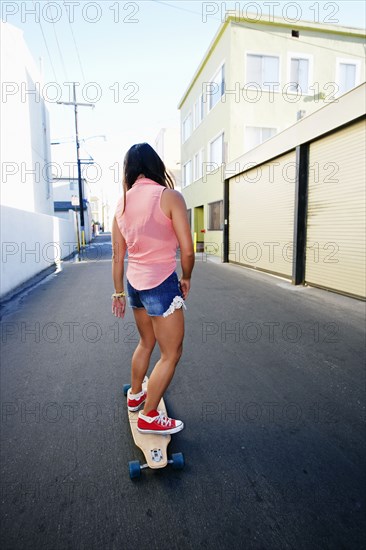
(136, 396)
(163, 419)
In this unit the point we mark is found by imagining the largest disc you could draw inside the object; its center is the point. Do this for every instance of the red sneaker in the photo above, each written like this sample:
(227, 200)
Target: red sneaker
(135, 402)
(156, 422)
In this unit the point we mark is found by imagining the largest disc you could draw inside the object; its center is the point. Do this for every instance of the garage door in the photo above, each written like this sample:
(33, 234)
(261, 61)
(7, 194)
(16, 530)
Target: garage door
(335, 247)
(261, 216)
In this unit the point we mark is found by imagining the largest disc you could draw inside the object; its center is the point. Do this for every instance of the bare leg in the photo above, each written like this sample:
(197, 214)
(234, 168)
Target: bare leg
(169, 332)
(142, 354)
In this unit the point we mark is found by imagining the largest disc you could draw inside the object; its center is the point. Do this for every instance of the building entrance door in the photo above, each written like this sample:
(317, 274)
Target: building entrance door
(198, 226)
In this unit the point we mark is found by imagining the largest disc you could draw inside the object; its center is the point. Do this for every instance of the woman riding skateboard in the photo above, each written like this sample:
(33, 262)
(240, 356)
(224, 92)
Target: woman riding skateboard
(150, 223)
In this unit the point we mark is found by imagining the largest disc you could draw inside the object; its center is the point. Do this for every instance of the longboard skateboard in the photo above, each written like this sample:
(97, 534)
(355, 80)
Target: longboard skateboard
(154, 446)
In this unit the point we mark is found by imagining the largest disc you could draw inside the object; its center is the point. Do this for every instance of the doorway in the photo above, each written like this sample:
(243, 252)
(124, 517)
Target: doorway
(198, 227)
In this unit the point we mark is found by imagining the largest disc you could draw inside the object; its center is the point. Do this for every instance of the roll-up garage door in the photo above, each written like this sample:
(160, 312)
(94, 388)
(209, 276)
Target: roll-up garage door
(335, 242)
(261, 216)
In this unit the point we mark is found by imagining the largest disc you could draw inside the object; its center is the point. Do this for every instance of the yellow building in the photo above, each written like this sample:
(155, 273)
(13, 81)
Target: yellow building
(255, 80)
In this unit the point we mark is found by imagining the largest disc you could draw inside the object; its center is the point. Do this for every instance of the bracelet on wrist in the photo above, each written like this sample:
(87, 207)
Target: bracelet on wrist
(118, 295)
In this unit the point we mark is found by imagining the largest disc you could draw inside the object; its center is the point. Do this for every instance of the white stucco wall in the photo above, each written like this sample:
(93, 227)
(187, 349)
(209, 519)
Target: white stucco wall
(32, 238)
(25, 130)
(30, 243)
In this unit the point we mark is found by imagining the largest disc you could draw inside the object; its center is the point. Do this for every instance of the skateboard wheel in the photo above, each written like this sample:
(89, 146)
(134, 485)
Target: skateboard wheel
(126, 387)
(178, 461)
(134, 468)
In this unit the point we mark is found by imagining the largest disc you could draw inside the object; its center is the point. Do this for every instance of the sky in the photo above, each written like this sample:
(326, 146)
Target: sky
(134, 60)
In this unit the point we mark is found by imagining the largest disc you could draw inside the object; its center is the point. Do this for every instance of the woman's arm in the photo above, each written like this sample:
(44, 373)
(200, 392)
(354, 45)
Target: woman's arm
(119, 248)
(178, 210)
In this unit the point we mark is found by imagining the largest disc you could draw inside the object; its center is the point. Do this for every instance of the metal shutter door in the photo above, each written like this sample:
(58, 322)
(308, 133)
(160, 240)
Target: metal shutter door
(335, 247)
(261, 216)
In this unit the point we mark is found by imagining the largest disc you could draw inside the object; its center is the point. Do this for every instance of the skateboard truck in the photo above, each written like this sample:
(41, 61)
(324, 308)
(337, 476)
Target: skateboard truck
(135, 467)
(156, 455)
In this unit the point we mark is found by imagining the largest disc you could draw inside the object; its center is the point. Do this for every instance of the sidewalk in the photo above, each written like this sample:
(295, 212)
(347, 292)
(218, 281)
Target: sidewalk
(270, 388)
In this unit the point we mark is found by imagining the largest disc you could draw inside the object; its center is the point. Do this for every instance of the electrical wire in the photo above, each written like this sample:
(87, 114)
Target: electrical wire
(48, 51)
(260, 30)
(76, 48)
(59, 49)
(182, 9)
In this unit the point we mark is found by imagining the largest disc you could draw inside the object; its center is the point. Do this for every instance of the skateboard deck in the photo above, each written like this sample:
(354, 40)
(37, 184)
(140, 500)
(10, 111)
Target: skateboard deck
(153, 446)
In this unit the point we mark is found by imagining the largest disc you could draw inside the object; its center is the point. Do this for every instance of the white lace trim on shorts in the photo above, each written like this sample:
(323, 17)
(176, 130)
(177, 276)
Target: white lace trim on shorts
(177, 303)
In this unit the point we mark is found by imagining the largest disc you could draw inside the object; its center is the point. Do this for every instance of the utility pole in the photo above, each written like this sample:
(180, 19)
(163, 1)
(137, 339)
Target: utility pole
(81, 202)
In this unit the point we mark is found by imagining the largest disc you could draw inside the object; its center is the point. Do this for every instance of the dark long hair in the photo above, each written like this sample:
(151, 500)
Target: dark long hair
(141, 158)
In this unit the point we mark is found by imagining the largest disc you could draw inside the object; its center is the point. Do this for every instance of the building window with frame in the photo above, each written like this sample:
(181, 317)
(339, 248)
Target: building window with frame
(187, 127)
(201, 110)
(196, 115)
(216, 153)
(216, 216)
(187, 173)
(299, 75)
(198, 111)
(256, 135)
(73, 185)
(347, 75)
(217, 88)
(263, 69)
(197, 165)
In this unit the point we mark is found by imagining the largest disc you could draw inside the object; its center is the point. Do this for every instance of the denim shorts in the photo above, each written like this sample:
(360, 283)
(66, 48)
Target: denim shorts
(160, 300)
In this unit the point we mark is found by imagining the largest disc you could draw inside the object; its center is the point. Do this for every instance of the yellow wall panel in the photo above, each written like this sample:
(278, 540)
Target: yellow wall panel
(335, 251)
(261, 218)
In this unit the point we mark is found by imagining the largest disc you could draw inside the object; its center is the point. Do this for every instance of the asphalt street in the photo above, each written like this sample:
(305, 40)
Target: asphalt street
(270, 388)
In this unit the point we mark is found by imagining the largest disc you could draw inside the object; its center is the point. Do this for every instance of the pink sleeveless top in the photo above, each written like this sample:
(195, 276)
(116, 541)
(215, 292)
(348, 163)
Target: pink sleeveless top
(151, 240)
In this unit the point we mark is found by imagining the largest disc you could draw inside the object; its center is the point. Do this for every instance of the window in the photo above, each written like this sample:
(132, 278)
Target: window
(187, 127)
(201, 108)
(347, 77)
(73, 185)
(196, 115)
(187, 173)
(299, 75)
(216, 152)
(347, 74)
(256, 135)
(216, 216)
(198, 111)
(263, 69)
(197, 165)
(217, 88)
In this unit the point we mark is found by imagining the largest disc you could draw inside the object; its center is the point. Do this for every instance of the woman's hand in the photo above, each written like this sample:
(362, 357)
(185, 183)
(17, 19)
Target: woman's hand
(185, 285)
(119, 306)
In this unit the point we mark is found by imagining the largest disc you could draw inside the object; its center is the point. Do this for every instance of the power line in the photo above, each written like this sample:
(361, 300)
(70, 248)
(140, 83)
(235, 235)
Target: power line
(48, 51)
(59, 49)
(260, 30)
(76, 48)
(182, 9)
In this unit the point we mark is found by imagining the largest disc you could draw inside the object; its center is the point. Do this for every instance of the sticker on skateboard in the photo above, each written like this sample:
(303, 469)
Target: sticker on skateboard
(153, 446)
